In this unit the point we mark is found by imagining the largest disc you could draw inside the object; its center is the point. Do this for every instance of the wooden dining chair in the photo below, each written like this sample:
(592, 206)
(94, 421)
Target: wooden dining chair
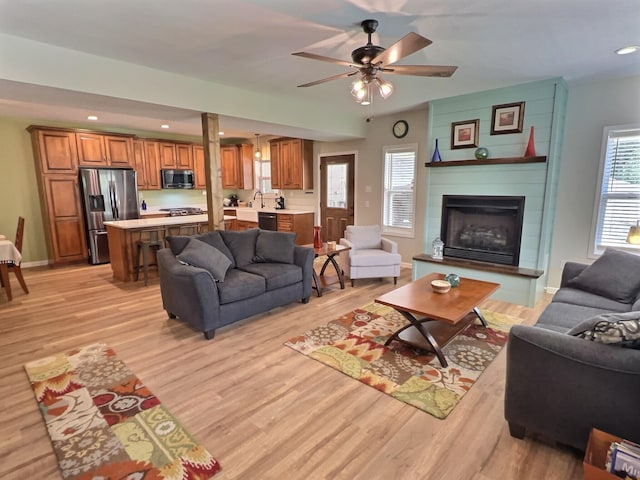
(15, 267)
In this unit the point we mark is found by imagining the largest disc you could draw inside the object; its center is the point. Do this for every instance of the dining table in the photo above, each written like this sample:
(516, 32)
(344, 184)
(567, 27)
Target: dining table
(8, 254)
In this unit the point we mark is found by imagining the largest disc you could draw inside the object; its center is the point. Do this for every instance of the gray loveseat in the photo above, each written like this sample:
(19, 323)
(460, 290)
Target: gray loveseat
(220, 277)
(575, 369)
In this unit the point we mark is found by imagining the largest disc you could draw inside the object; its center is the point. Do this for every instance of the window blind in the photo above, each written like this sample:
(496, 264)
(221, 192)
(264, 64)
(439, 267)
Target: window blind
(619, 205)
(399, 194)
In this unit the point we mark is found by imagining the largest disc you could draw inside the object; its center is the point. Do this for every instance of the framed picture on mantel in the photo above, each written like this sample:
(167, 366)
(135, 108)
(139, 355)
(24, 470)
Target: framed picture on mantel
(507, 118)
(464, 134)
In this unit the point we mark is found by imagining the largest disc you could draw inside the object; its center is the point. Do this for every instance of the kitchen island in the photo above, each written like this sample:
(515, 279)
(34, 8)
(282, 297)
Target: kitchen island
(123, 235)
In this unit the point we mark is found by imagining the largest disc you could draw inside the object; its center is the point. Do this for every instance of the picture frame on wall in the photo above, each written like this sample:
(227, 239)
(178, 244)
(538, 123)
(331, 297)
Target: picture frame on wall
(465, 134)
(507, 118)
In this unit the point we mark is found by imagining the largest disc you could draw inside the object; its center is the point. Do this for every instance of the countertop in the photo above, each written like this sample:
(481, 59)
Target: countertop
(270, 210)
(161, 221)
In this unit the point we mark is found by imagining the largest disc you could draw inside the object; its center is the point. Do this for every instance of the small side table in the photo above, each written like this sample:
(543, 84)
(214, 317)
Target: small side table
(318, 282)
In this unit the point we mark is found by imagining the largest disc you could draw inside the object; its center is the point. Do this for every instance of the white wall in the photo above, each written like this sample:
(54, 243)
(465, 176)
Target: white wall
(592, 105)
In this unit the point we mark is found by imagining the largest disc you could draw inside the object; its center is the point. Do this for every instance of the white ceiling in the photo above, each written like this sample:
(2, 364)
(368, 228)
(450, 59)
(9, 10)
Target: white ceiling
(247, 44)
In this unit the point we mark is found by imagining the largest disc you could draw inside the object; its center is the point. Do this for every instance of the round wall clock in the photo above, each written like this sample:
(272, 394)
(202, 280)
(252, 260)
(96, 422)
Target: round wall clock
(400, 128)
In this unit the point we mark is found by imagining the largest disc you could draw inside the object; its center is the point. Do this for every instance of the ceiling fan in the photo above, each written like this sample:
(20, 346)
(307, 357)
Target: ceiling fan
(370, 60)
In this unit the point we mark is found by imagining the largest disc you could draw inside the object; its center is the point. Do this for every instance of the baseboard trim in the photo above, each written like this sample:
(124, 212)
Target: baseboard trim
(551, 290)
(39, 263)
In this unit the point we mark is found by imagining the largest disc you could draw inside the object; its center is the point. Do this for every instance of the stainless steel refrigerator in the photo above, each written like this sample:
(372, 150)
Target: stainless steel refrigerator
(108, 194)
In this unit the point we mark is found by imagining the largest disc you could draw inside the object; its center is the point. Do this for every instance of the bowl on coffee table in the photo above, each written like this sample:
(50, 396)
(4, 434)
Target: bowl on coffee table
(440, 286)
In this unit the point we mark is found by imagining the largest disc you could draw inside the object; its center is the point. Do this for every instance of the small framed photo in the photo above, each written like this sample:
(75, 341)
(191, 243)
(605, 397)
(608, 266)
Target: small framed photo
(507, 118)
(464, 134)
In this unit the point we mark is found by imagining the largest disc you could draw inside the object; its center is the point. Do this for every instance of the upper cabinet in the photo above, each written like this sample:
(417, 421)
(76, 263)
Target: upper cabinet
(147, 164)
(291, 163)
(198, 167)
(98, 150)
(175, 155)
(55, 150)
(236, 166)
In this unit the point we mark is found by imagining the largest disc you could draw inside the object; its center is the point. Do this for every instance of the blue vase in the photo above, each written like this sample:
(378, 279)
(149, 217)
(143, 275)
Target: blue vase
(436, 154)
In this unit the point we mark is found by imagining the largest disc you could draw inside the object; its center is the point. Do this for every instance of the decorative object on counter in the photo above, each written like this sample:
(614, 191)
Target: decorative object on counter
(317, 236)
(143, 205)
(453, 279)
(440, 286)
(436, 154)
(507, 118)
(481, 153)
(531, 147)
(438, 248)
(226, 202)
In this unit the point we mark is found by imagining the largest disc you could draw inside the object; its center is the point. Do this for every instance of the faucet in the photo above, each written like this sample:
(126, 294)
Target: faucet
(258, 192)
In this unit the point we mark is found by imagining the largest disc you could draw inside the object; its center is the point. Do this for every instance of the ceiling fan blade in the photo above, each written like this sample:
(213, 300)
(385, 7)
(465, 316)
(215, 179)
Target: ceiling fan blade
(410, 43)
(322, 58)
(421, 70)
(328, 79)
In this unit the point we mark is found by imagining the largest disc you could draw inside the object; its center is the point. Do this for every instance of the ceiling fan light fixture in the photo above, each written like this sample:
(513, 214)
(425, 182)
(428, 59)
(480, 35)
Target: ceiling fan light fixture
(385, 88)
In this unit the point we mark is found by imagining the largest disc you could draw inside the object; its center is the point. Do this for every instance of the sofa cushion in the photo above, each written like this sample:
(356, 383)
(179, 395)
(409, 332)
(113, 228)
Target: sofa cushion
(275, 247)
(240, 285)
(567, 315)
(374, 258)
(242, 245)
(614, 275)
(203, 255)
(621, 329)
(588, 299)
(276, 275)
(367, 236)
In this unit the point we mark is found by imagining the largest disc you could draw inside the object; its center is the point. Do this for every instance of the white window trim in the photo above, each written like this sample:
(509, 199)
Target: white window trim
(387, 229)
(594, 251)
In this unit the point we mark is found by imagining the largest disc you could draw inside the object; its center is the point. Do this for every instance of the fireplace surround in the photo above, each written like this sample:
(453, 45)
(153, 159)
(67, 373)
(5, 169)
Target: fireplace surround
(484, 228)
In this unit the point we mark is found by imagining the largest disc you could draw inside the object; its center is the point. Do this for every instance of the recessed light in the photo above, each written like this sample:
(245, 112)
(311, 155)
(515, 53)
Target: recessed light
(164, 126)
(92, 117)
(220, 133)
(628, 50)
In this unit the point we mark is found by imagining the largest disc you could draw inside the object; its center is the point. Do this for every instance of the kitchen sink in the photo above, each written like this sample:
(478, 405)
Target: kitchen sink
(247, 214)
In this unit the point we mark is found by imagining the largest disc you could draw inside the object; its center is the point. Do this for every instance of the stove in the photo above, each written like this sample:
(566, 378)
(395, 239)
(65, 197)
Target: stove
(181, 211)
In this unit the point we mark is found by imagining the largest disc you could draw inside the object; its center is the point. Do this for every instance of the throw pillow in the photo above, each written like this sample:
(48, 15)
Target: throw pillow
(215, 240)
(177, 243)
(202, 255)
(275, 247)
(621, 329)
(364, 236)
(614, 275)
(242, 245)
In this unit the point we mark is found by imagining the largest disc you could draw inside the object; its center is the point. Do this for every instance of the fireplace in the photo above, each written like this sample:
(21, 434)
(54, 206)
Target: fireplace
(482, 228)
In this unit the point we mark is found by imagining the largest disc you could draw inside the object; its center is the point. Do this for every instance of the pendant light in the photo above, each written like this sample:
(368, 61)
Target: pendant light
(258, 153)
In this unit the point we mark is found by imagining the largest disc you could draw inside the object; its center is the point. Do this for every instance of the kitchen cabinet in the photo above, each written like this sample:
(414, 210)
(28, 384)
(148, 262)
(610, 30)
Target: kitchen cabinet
(54, 150)
(63, 209)
(198, 168)
(236, 166)
(146, 155)
(245, 225)
(175, 155)
(299, 223)
(98, 150)
(291, 163)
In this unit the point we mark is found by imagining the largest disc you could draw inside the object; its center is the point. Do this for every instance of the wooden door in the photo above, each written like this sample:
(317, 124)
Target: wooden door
(118, 151)
(66, 222)
(91, 150)
(139, 164)
(229, 166)
(337, 204)
(184, 156)
(168, 155)
(152, 165)
(198, 167)
(57, 151)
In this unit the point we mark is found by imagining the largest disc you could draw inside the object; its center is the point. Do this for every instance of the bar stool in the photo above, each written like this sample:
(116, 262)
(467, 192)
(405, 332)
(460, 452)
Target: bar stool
(147, 239)
(189, 229)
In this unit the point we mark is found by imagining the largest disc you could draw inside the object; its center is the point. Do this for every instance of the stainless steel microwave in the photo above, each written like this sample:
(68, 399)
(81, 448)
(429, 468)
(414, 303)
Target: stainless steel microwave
(177, 178)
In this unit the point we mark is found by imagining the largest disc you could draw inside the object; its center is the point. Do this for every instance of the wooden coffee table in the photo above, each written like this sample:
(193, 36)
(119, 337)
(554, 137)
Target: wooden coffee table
(436, 318)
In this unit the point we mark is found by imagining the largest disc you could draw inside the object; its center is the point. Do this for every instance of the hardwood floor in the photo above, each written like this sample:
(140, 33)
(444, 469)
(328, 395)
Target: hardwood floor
(263, 410)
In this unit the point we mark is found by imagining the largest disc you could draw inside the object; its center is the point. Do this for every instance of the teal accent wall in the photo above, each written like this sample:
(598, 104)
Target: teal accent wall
(545, 105)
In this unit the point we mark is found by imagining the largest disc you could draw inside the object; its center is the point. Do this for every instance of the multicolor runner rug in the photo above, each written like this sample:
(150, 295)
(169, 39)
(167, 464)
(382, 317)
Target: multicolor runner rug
(354, 345)
(105, 424)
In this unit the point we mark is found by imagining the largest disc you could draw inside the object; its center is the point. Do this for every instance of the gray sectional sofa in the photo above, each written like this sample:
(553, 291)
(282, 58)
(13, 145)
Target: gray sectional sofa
(578, 367)
(220, 277)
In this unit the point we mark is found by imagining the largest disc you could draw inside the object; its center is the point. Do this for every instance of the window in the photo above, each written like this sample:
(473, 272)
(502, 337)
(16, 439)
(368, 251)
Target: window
(262, 169)
(398, 208)
(618, 200)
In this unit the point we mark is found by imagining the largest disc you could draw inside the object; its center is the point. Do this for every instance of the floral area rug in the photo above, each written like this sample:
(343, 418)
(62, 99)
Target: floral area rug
(354, 345)
(105, 424)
